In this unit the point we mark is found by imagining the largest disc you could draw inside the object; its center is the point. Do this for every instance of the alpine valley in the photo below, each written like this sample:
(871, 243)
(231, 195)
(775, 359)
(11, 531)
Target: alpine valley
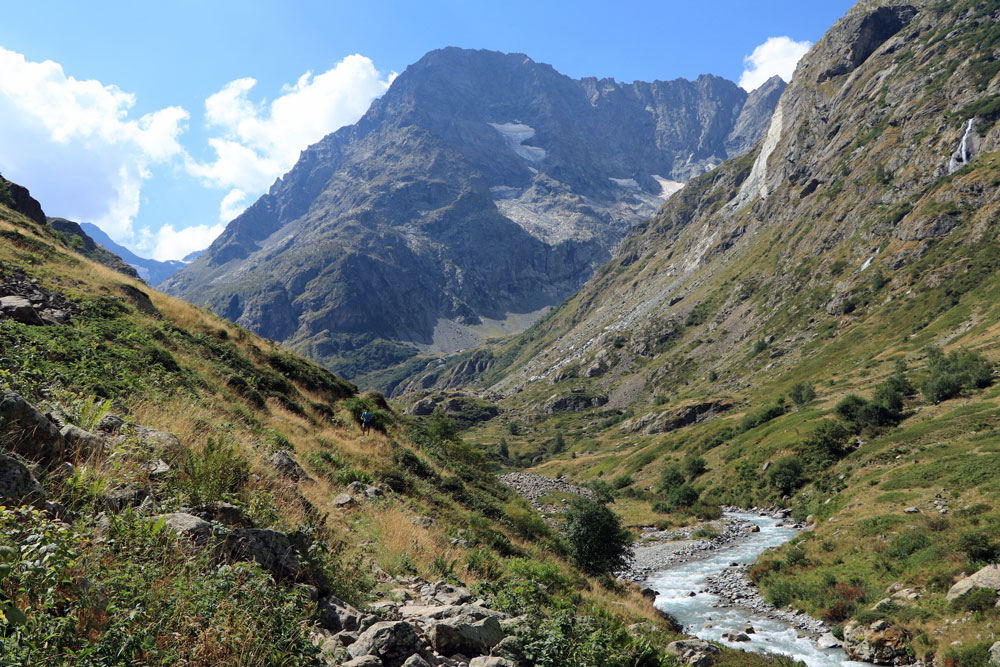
(605, 336)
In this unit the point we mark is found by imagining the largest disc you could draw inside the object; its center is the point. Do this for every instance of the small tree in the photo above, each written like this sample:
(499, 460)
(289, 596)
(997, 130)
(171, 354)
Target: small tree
(801, 393)
(786, 474)
(694, 466)
(597, 541)
(670, 477)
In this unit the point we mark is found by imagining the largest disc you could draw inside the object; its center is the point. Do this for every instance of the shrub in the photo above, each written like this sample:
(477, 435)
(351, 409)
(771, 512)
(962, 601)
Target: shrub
(978, 599)
(907, 544)
(597, 541)
(524, 520)
(694, 466)
(684, 495)
(786, 474)
(764, 415)
(950, 374)
(978, 546)
(603, 492)
(801, 393)
(621, 482)
(670, 477)
(483, 563)
(218, 472)
(826, 443)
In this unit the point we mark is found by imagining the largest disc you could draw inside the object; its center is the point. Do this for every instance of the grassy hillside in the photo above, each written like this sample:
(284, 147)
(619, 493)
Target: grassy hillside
(830, 347)
(98, 579)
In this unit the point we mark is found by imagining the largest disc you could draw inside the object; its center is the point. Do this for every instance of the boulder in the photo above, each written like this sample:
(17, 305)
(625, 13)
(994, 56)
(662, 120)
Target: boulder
(416, 661)
(288, 467)
(445, 593)
(187, 526)
(20, 310)
(392, 642)
(988, 577)
(995, 655)
(119, 500)
(225, 513)
(271, 549)
(440, 612)
(828, 640)
(363, 661)
(159, 440)
(26, 431)
(510, 647)
(694, 652)
(491, 661)
(336, 615)
(465, 635)
(343, 501)
(81, 443)
(17, 485)
(156, 468)
(880, 643)
(110, 424)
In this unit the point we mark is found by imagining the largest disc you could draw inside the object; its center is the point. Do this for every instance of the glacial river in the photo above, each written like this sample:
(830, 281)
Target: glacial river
(675, 583)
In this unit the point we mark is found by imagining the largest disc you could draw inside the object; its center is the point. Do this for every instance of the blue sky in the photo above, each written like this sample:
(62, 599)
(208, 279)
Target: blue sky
(162, 121)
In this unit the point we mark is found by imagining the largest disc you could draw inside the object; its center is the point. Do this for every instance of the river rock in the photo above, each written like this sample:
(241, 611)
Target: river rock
(880, 643)
(694, 652)
(828, 640)
(988, 577)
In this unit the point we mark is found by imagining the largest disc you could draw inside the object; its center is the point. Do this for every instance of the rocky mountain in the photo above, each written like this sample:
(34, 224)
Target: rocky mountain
(813, 324)
(480, 190)
(151, 270)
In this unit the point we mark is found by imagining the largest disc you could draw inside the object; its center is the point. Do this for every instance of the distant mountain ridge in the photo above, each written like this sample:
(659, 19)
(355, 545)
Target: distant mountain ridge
(151, 270)
(481, 189)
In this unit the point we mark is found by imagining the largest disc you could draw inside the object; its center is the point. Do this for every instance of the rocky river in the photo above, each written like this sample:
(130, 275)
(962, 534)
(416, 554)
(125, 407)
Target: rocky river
(703, 585)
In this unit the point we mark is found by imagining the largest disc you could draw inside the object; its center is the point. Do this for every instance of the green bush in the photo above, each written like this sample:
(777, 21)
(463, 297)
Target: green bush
(670, 477)
(801, 393)
(684, 495)
(978, 599)
(827, 443)
(754, 419)
(950, 373)
(597, 541)
(219, 471)
(786, 475)
(525, 521)
(694, 466)
(979, 547)
(906, 544)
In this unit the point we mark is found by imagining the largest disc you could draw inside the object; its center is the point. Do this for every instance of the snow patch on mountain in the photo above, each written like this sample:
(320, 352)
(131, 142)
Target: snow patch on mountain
(515, 135)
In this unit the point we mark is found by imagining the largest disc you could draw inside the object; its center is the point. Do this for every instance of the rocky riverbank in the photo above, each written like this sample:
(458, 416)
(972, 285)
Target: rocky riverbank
(736, 590)
(661, 549)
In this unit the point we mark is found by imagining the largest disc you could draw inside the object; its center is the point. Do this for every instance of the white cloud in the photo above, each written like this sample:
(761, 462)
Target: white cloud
(778, 55)
(169, 243)
(232, 205)
(259, 142)
(73, 144)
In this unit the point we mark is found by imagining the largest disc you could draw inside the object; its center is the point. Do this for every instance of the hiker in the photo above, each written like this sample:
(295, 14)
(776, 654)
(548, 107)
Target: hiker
(366, 422)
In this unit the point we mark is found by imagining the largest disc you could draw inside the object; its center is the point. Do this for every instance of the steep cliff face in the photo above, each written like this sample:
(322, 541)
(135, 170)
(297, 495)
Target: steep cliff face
(480, 190)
